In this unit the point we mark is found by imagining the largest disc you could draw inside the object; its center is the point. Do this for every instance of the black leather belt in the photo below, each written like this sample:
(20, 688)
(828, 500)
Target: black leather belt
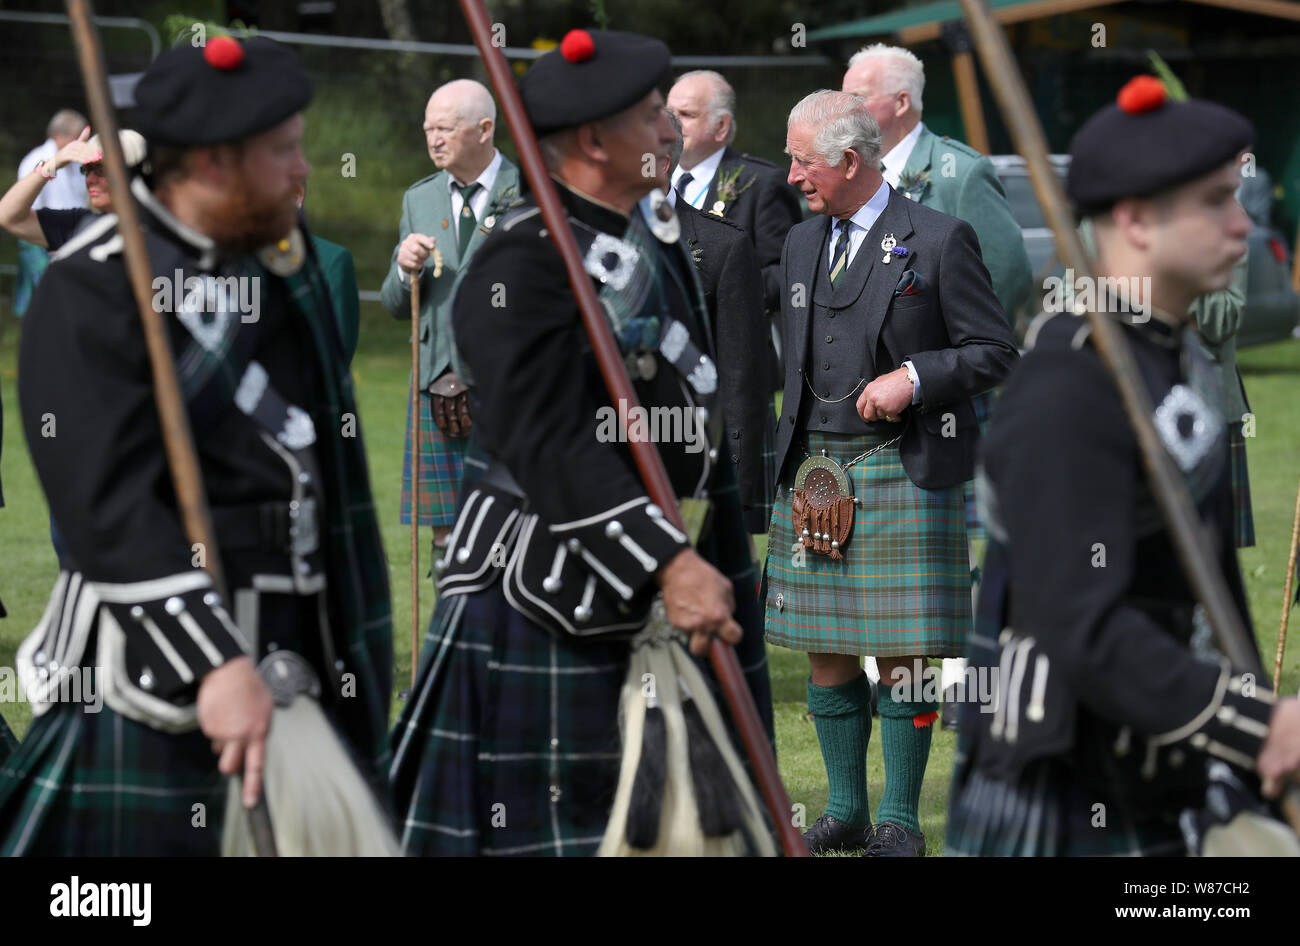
(263, 526)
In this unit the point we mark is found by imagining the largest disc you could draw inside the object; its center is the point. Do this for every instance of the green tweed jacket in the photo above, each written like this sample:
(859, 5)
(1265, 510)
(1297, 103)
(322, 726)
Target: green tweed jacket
(426, 208)
(953, 178)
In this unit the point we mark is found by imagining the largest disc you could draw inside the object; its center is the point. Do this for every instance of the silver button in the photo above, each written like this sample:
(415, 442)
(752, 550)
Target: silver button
(614, 529)
(174, 606)
(54, 665)
(212, 599)
(303, 568)
(137, 612)
(293, 506)
(575, 546)
(654, 512)
(555, 743)
(555, 793)
(146, 679)
(462, 555)
(713, 455)
(272, 646)
(582, 614)
(338, 665)
(304, 478)
(39, 658)
(704, 415)
(551, 585)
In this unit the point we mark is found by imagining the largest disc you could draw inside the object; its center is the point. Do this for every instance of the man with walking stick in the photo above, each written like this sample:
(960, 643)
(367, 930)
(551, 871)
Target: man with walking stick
(1112, 707)
(142, 673)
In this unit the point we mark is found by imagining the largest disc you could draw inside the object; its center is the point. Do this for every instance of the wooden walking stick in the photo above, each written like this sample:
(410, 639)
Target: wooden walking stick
(178, 441)
(1286, 594)
(649, 463)
(1190, 538)
(416, 422)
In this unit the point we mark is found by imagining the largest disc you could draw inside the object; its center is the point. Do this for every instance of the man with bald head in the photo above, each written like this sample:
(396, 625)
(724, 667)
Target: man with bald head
(449, 212)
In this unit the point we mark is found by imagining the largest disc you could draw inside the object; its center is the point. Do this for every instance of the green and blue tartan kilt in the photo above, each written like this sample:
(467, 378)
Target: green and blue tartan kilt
(1047, 814)
(903, 587)
(1243, 518)
(983, 412)
(101, 785)
(442, 461)
(509, 743)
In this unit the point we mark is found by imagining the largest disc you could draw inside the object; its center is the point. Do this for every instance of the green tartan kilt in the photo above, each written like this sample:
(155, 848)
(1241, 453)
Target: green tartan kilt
(903, 587)
(1047, 814)
(101, 785)
(509, 743)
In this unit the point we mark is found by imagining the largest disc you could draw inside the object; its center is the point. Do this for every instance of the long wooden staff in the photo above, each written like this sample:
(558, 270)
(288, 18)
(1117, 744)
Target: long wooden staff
(647, 458)
(1191, 539)
(1286, 594)
(416, 422)
(178, 441)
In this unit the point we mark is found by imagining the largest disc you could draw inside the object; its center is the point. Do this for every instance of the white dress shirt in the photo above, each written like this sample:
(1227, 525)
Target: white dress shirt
(701, 177)
(68, 189)
(896, 159)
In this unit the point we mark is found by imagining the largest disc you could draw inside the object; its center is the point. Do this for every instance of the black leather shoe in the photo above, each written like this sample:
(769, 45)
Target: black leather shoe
(893, 840)
(829, 834)
(951, 708)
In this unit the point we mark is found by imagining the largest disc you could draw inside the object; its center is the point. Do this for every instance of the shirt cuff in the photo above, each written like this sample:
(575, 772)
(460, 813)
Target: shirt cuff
(916, 381)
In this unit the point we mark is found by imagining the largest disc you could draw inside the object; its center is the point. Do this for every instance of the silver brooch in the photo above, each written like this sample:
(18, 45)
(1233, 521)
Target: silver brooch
(1187, 426)
(615, 274)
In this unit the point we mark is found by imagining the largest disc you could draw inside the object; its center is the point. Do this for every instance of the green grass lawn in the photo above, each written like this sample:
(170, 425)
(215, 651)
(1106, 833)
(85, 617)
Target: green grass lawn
(27, 563)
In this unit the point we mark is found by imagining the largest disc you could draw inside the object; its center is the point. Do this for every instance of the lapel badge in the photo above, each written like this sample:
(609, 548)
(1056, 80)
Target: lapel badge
(888, 244)
(718, 208)
(1187, 425)
(445, 223)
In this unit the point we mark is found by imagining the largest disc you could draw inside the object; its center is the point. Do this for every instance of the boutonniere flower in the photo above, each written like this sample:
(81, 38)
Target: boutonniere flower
(503, 202)
(728, 190)
(914, 183)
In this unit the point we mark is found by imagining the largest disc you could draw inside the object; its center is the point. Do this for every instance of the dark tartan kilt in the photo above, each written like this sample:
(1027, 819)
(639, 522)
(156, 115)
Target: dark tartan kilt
(8, 741)
(1243, 514)
(903, 587)
(505, 714)
(983, 413)
(101, 785)
(1047, 814)
(442, 461)
(758, 516)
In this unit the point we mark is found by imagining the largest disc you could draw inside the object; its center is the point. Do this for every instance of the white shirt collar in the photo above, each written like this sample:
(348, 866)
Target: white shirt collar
(863, 220)
(896, 159)
(701, 177)
(487, 178)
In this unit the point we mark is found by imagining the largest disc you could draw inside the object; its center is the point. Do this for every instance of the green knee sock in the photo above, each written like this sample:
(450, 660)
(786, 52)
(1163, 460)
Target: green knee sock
(906, 747)
(842, 715)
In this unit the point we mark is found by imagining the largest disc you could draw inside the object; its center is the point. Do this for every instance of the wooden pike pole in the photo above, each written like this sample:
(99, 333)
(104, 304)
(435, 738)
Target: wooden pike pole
(1286, 594)
(416, 422)
(1189, 536)
(649, 463)
(178, 440)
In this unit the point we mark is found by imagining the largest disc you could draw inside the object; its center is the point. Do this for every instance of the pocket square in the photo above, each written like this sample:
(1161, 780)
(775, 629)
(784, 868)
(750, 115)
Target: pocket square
(911, 283)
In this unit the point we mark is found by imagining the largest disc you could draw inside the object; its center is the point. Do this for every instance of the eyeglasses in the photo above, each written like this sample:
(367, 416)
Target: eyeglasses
(95, 168)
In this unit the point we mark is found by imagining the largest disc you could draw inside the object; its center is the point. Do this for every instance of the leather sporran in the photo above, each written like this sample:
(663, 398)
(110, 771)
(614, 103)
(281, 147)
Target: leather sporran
(823, 505)
(451, 405)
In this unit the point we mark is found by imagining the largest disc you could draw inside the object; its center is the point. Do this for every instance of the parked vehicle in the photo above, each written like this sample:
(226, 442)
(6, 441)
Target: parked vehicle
(1272, 305)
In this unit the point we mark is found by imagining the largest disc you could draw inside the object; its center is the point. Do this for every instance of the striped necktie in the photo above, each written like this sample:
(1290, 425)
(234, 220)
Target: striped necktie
(841, 259)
